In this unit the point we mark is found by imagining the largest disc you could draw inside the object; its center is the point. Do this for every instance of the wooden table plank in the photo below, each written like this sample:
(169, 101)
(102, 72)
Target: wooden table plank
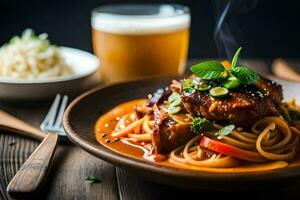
(67, 178)
(14, 151)
(132, 186)
(71, 166)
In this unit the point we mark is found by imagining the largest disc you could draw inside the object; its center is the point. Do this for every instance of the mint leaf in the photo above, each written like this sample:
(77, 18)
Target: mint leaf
(208, 70)
(225, 130)
(235, 58)
(200, 125)
(245, 75)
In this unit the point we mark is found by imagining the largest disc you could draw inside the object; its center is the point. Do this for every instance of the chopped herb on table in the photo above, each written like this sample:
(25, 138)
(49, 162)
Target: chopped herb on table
(92, 179)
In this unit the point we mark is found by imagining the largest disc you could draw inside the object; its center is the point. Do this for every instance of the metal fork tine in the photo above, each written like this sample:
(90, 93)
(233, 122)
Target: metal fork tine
(59, 118)
(46, 120)
(51, 114)
(54, 112)
(53, 119)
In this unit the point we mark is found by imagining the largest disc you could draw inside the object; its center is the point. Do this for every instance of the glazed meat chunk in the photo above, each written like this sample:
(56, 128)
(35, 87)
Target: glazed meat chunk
(241, 107)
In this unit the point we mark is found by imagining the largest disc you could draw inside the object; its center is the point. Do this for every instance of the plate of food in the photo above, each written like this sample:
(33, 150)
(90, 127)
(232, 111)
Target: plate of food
(223, 127)
(32, 68)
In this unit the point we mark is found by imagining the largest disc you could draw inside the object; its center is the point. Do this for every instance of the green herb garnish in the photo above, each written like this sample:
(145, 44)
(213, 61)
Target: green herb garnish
(172, 110)
(235, 58)
(229, 78)
(200, 125)
(92, 179)
(209, 70)
(225, 130)
(188, 86)
(187, 83)
(219, 92)
(174, 101)
(245, 75)
(231, 82)
(202, 86)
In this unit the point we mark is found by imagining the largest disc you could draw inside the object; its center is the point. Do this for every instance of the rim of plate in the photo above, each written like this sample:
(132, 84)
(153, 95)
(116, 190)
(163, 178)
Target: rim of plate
(94, 65)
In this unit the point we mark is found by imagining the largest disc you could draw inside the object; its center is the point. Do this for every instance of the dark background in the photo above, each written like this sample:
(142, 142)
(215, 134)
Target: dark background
(269, 30)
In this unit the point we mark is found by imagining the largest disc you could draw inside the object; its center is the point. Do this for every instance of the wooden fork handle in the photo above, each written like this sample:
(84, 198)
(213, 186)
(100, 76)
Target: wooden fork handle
(10, 123)
(282, 69)
(31, 176)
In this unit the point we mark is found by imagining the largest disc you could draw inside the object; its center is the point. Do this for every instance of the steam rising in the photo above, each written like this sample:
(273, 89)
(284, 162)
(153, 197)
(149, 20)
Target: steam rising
(227, 34)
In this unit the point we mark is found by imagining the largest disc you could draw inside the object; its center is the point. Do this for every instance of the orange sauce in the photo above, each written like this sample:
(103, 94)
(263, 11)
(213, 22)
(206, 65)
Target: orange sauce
(106, 123)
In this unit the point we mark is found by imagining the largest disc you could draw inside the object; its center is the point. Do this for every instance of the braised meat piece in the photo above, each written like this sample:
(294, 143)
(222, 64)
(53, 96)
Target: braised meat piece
(168, 134)
(241, 107)
(159, 96)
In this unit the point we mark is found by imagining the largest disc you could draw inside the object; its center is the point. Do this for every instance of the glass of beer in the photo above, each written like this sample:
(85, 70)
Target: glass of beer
(134, 41)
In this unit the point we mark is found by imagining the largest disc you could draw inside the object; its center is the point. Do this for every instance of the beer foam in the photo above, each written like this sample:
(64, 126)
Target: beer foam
(167, 20)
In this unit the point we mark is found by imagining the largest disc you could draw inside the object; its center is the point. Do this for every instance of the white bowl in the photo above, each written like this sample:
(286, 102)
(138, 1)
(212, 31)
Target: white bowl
(85, 66)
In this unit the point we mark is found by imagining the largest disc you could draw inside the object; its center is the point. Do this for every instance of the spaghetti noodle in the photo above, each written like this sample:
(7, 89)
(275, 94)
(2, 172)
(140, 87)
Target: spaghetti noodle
(269, 139)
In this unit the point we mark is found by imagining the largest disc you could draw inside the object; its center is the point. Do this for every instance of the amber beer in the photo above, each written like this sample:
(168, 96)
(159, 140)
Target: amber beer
(135, 46)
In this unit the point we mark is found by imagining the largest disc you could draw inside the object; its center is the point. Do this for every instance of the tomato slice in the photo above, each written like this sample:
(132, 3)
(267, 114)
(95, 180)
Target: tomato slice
(230, 150)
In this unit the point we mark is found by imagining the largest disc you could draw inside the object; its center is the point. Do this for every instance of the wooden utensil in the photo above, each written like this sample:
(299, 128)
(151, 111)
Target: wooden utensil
(30, 178)
(10, 123)
(283, 70)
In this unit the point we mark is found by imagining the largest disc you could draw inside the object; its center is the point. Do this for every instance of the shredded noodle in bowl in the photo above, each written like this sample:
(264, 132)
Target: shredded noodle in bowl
(32, 57)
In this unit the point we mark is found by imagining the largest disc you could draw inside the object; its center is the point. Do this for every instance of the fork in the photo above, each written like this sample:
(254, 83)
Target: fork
(53, 120)
(33, 173)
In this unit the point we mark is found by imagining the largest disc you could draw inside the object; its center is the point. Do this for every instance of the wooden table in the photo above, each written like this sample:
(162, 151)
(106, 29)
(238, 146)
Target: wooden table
(72, 165)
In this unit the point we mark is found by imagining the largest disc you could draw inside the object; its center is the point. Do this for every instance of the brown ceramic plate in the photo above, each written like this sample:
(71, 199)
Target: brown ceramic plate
(82, 113)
